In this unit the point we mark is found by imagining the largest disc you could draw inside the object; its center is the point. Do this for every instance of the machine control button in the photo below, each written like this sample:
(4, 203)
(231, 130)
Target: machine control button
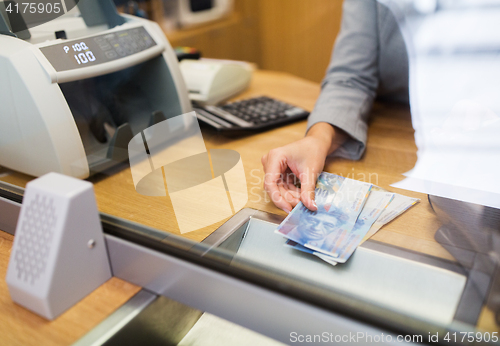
(111, 54)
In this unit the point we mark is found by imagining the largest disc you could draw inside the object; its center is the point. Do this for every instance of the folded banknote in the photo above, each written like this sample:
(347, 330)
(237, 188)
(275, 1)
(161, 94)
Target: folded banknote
(327, 186)
(297, 246)
(349, 241)
(398, 206)
(320, 230)
(377, 202)
(349, 212)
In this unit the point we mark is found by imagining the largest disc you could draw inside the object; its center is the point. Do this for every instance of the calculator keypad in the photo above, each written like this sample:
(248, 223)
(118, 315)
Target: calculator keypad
(254, 114)
(262, 110)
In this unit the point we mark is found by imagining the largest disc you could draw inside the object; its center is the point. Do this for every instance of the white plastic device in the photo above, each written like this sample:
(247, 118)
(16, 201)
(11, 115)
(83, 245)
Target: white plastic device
(187, 16)
(59, 255)
(210, 81)
(38, 132)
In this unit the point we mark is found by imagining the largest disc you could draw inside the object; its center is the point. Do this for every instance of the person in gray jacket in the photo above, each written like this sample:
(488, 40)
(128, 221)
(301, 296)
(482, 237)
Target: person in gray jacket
(369, 60)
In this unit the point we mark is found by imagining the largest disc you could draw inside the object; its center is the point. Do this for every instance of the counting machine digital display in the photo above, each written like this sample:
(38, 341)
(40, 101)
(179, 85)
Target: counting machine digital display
(98, 49)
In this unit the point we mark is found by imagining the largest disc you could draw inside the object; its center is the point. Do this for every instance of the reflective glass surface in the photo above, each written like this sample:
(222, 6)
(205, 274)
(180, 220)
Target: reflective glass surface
(432, 269)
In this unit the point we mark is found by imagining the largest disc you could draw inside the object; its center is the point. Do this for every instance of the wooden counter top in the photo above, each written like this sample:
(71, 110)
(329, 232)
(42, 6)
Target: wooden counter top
(391, 151)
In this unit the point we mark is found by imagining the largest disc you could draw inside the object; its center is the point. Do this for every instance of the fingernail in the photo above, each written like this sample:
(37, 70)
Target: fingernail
(287, 211)
(314, 203)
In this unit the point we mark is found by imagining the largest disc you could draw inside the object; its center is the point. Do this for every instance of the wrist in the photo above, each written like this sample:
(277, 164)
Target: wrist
(330, 136)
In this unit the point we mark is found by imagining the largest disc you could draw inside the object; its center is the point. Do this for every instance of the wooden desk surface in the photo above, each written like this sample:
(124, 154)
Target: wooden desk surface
(391, 152)
(19, 326)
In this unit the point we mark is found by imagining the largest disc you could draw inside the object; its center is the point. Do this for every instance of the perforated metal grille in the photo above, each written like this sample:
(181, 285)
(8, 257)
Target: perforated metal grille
(35, 239)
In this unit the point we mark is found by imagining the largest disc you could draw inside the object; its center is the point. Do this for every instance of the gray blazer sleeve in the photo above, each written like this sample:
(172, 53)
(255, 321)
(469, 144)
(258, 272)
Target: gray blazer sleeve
(351, 81)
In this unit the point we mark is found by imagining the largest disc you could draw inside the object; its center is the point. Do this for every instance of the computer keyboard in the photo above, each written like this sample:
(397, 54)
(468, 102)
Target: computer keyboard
(255, 114)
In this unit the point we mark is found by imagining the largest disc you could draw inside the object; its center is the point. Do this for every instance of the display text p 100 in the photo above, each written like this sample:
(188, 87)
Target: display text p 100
(81, 52)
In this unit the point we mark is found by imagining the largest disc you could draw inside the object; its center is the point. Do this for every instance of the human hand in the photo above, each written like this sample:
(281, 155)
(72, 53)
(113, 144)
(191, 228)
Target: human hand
(303, 159)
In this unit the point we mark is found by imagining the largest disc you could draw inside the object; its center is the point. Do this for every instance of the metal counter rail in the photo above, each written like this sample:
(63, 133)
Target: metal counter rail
(272, 304)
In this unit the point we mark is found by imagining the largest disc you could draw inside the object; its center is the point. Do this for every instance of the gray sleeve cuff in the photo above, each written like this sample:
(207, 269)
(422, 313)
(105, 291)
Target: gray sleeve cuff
(347, 109)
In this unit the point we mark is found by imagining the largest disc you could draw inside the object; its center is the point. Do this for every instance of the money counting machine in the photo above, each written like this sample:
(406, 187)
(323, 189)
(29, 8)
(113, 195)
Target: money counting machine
(71, 105)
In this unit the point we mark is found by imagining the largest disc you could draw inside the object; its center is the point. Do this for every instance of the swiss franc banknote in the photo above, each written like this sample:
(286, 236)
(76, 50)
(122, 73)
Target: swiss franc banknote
(326, 258)
(349, 212)
(375, 205)
(397, 207)
(321, 229)
(327, 186)
(345, 208)
(297, 246)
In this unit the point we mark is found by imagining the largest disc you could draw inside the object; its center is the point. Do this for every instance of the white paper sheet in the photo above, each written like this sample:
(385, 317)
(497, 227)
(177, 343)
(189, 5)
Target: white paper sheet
(454, 56)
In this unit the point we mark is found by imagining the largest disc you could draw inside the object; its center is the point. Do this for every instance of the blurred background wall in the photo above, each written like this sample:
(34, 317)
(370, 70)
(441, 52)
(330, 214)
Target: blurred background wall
(297, 36)
(294, 36)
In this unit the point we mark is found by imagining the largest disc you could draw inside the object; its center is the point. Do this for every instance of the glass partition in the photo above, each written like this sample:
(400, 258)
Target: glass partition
(432, 271)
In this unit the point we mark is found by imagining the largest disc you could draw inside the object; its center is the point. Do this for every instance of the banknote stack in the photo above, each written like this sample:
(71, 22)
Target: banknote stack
(349, 212)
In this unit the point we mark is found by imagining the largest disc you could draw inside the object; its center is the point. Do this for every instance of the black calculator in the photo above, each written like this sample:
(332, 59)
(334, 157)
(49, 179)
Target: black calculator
(255, 114)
